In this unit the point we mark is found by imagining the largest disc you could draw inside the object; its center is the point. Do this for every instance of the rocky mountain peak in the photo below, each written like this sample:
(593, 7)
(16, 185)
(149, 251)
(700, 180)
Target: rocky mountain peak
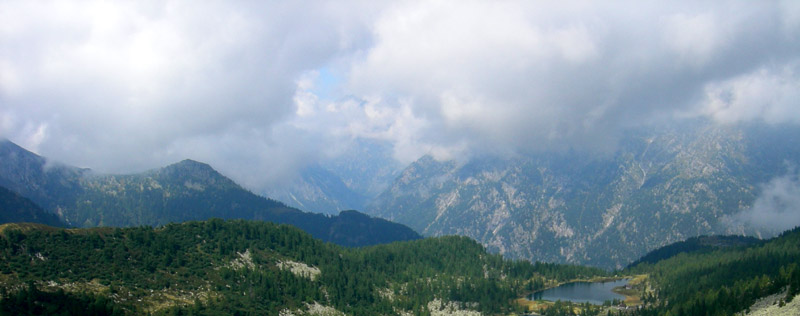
(661, 186)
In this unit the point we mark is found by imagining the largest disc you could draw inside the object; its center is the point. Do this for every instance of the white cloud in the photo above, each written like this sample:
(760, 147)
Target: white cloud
(694, 38)
(125, 86)
(538, 76)
(777, 208)
(772, 95)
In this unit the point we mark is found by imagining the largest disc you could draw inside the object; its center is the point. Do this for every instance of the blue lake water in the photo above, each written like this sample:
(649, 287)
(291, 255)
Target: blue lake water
(581, 292)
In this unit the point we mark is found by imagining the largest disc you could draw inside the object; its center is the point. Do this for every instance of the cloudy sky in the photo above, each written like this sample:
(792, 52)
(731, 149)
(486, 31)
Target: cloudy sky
(260, 88)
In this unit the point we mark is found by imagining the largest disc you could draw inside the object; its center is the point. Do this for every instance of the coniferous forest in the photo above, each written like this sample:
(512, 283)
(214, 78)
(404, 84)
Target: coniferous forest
(254, 268)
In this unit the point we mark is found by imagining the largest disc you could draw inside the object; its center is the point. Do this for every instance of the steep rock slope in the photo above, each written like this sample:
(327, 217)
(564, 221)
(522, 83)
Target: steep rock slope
(605, 210)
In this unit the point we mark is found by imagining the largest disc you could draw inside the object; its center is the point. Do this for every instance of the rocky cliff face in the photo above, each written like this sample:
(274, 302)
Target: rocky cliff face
(605, 210)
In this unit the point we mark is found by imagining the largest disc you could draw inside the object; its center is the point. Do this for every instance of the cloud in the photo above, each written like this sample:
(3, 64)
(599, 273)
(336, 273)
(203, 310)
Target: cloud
(125, 86)
(776, 209)
(767, 94)
(259, 89)
(539, 76)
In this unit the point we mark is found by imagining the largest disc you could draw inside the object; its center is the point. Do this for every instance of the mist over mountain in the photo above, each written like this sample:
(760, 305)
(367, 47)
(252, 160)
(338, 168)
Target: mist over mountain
(188, 190)
(323, 105)
(660, 186)
(579, 132)
(318, 190)
(344, 182)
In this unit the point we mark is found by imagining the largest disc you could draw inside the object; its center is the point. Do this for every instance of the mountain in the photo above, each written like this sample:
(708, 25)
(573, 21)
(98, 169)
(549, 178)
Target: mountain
(347, 181)
(367, 167)
(603, 209)
(240, 267)
(46, 183)
(15, 208)
(318, 190)
(188, 190)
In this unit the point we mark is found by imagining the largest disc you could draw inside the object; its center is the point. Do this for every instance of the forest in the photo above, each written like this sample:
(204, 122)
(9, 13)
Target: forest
(251, 268)
(724, 281)
(248, 268)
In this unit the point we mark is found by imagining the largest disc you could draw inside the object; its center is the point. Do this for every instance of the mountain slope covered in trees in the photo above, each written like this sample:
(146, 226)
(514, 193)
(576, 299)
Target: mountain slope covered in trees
(248, 267)
(724, 281)
(188, 190)
(252, 267)
(695, 245)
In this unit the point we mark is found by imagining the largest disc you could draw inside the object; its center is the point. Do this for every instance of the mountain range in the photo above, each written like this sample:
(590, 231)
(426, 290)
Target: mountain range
(674, 183)
(188, 190)
(603, 209)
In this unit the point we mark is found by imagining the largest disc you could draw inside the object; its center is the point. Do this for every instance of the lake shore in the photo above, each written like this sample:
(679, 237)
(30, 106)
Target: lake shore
(631, 295)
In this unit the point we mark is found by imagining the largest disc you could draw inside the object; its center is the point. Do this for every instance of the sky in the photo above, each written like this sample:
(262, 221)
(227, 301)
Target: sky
(259, 89)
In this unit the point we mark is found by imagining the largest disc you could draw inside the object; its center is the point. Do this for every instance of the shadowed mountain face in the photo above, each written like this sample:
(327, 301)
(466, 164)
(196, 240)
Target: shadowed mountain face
(605, 210)
(48, 185)
(187, 190)
(15, 208)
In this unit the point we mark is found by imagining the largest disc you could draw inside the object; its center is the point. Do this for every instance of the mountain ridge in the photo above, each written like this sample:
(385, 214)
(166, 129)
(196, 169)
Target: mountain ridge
(696, 244)
(186, 190)
(660, 186)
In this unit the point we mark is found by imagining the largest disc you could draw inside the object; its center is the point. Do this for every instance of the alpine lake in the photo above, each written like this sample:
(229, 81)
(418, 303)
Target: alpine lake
(582, 292)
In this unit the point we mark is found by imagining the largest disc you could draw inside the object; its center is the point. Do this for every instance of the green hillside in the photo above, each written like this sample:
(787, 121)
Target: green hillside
(725, 281)
(247, 267)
